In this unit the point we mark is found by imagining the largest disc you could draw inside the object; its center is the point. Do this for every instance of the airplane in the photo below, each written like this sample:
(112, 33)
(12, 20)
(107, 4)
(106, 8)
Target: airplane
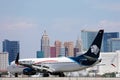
(58, 65)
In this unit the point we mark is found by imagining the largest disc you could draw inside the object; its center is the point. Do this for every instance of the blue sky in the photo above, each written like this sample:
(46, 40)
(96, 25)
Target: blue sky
(26, 20)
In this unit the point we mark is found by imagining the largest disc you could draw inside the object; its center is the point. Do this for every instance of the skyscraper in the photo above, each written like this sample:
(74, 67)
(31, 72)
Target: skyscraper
(12, 47)
(78, 45)
(62, 52)
(52, 52)
(87, 38)
(113, 44)
(106, 37)
(58, 45)
(69, 46)
(45, 46)
(3, 62)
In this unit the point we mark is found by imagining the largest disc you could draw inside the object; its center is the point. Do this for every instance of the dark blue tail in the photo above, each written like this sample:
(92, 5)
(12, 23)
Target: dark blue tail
(94, 50)
(91, 56)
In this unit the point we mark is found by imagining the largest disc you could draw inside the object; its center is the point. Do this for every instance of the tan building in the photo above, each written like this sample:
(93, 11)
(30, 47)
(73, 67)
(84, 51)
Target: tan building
(70, 48)
(3, 62)
(58, 45)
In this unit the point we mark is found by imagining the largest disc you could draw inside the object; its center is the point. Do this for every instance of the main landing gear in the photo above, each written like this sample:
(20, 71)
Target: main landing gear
(45, 74)
(16, 74)
(61, 74)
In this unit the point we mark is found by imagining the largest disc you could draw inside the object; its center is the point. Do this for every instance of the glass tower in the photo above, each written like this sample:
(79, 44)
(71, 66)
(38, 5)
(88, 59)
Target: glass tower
(113, 44)
(106, 38)
(87, 38)
(12, 47)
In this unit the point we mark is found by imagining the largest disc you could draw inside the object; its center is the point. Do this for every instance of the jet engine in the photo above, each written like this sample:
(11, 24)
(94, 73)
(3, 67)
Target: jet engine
(29, 71)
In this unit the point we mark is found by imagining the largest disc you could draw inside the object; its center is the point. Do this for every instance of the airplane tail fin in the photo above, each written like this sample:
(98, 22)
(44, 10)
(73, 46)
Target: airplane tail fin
(17, 59)
(94, 50)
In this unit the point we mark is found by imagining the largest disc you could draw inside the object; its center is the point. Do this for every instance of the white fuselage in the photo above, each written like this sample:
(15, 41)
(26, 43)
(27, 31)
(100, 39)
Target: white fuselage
(61, 64)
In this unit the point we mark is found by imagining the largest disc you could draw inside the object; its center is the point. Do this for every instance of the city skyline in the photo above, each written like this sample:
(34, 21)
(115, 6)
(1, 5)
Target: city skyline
(25, 21)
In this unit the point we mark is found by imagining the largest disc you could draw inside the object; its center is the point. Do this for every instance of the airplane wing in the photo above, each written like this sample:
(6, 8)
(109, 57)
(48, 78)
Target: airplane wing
(43, 68)
(38, 68)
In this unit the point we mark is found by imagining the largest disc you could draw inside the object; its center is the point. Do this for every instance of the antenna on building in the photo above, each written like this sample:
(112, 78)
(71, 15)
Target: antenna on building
(45, 33)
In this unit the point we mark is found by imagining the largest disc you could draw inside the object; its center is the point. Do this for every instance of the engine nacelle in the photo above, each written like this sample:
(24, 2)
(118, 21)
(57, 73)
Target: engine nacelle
(29, 71)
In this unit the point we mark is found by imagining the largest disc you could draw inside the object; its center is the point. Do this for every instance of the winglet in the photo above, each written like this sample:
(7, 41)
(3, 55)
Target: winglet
(17, 59)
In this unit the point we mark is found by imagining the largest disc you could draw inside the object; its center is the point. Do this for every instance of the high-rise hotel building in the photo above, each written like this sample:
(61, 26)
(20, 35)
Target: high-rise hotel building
(107, 36)
(69, 48)
(78, 45)
(3, 62)
(87, 38)
(45, 45)
(52, 51)
(12, 47)
(113, 44)
(58, 45)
